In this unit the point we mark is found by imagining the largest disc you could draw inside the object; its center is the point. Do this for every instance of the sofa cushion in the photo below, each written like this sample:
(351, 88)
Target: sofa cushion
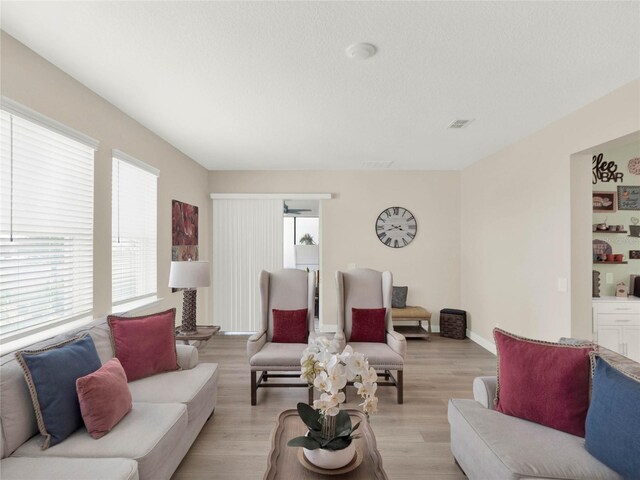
(613, 422)
(145, 345)
(279, 355)
(544, 382)
(51, 375)
(148, 434)
(195, 388)
(290, 326)
(368, 325)
(489, 444)
(104, 398)
(20, 468)
(379, 355)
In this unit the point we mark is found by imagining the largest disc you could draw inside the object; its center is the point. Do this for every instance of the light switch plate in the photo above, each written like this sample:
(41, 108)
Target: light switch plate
(351, 266)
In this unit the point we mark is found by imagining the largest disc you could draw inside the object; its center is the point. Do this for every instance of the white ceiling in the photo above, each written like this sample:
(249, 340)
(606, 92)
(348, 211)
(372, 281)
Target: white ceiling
(267, 85)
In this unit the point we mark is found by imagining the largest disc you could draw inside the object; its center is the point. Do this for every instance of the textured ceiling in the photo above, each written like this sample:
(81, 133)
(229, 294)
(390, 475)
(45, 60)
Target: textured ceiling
(267, 85)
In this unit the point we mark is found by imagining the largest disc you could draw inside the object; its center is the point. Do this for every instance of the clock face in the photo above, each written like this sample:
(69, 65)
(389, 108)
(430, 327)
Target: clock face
(396, 227)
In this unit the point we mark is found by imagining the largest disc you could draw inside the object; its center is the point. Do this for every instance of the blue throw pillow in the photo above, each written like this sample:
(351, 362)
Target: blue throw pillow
(51, 375)
(613, 420)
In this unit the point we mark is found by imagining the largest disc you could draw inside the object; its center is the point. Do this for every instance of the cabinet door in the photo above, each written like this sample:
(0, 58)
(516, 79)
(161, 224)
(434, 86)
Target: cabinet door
(631, 338)
(610, 337)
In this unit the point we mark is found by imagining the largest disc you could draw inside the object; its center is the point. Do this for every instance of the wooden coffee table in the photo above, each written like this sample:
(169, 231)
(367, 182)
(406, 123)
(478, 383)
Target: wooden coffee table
(283, 463)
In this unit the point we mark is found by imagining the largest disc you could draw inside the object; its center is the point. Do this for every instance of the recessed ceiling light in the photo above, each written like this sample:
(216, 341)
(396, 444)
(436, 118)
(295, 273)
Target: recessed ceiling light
(360, 51)
(460, 123)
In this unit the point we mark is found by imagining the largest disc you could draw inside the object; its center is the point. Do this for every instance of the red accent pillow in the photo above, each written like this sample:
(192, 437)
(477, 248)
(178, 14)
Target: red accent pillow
(145, 345)
(543, 382)
(104, 398)
(290, 326)
(367, 325)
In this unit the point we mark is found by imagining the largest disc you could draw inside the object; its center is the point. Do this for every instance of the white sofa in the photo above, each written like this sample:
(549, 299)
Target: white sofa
(169, 410)
(488, 444)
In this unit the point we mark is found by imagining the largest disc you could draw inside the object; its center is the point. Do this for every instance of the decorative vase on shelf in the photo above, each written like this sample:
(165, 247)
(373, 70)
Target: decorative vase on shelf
(328, 443)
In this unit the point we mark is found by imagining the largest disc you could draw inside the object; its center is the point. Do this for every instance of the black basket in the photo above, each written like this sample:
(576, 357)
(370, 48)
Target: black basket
(453, 323)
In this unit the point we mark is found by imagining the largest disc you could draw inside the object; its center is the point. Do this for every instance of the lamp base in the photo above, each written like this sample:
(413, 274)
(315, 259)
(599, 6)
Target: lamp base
(189, 311)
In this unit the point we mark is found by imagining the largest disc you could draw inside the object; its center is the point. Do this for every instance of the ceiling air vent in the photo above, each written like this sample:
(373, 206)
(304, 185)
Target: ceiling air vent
(377, 165)
(460, 123)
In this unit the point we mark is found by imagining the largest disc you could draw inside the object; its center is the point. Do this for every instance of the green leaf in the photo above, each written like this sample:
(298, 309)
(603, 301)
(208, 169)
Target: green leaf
(339, 443)
(306, 442)
(309, 416)
(343, 421)
(356, 426)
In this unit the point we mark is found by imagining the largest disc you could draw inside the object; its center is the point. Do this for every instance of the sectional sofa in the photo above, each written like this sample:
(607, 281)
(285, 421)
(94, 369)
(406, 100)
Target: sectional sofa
(488, 444)
(169, 410)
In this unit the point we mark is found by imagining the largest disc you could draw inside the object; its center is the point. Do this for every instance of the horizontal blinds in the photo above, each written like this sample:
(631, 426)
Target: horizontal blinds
(46, 225)
(134, 230)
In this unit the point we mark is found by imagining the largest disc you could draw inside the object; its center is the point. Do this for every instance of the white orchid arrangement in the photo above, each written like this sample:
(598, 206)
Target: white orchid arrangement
(329, 371)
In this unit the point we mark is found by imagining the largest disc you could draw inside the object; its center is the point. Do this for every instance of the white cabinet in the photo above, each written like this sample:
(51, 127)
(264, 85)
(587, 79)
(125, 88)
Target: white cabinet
(617, 323)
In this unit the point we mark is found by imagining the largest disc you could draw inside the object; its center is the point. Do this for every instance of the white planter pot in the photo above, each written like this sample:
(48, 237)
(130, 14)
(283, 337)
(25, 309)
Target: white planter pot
(330, 459)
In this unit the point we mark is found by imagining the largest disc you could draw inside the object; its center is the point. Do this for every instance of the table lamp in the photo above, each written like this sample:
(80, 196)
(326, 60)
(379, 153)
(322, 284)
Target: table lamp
(189, 275)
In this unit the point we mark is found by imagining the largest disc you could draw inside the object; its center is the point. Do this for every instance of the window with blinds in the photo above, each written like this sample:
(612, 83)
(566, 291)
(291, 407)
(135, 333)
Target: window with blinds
(134, 201)
(46, 224)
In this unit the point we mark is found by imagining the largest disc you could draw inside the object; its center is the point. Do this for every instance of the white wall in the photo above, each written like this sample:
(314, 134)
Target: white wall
(32, 81)
(429, 266)
(517, 222)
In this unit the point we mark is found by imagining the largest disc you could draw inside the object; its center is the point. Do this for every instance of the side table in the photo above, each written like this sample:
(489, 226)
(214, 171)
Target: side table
(283, 463)
(204, 333)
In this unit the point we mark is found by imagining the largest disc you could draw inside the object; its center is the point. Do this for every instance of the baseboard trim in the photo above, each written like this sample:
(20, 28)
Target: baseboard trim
(483, 342)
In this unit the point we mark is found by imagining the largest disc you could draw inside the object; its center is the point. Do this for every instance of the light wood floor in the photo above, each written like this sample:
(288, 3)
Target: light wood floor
(413, 438)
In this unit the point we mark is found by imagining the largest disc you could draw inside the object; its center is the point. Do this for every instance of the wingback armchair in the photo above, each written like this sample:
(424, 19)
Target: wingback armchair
(287, 289)
(364, 288)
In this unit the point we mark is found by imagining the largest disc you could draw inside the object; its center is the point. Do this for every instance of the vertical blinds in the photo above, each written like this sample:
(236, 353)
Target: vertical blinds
(247, 238)
(134, 229)
(46, 226)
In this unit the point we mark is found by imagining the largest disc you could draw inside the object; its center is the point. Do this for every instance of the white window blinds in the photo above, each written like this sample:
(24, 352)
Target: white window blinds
(46, 226)
(134, 229)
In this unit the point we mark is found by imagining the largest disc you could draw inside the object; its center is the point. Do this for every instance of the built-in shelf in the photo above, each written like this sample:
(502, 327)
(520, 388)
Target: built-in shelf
(609, 263)
(611, 231)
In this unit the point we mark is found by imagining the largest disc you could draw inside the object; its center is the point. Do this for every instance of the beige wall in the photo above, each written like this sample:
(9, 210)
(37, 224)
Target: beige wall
(429, 266)
(517, 223)
(32, 81)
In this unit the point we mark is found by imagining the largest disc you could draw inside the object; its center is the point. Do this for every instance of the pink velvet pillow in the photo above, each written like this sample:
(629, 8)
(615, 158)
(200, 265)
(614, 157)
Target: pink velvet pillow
(104, 398)
(145, 345)
(543, 382)
(367, 325)
(290, 326)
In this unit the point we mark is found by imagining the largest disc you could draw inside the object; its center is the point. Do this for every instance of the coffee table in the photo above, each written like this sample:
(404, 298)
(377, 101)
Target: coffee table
(283, 463)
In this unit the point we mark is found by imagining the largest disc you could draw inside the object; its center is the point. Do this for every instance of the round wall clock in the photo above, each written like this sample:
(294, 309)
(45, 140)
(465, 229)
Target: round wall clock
(396, 227)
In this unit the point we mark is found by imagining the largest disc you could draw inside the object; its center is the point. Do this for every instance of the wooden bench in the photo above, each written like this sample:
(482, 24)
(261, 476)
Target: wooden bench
(417, 314)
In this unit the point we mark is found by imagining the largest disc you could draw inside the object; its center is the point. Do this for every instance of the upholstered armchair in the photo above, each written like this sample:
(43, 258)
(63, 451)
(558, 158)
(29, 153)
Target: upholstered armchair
(284, 290)
(363, 288)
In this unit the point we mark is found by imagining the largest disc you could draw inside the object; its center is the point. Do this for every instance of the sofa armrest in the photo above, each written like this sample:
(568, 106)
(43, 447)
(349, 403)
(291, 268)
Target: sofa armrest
(397, 342)
(484, 391)
(256, 342)
(187, 356)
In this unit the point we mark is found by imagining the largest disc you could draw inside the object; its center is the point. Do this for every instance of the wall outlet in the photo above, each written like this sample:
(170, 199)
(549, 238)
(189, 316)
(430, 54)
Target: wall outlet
(563, 285)
(351, 266)
(609, 278)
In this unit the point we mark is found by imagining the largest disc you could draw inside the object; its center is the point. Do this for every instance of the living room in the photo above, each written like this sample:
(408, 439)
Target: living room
(504, 231)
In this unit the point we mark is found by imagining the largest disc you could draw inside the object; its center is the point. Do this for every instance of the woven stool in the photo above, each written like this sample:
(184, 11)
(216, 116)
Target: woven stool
(417, 314)
(453, 323)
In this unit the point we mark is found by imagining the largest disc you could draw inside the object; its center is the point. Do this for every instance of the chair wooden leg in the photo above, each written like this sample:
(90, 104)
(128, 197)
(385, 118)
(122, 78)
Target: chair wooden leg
(311, 396)
(265, 377)
(399, 386)
(254, 388)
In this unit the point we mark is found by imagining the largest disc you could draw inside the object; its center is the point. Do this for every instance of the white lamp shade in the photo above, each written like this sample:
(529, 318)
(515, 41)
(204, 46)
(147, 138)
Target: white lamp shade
(189, 274)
